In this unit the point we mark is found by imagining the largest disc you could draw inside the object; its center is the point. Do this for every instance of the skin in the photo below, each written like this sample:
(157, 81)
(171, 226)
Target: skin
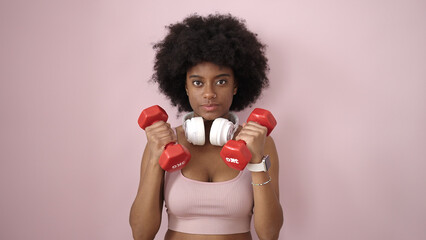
(210, 89)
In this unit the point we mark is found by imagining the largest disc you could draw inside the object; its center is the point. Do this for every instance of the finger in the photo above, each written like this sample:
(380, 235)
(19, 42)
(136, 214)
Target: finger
(255, 127)
(157, 125)
(248, 138)
(255, 131)
(255, 124)
(161, 132)
(251, 132)
(161, 140)
(247, 135)
(164, 133)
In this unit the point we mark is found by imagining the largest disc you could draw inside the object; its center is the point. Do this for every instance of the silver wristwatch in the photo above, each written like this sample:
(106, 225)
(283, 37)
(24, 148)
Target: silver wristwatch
(260, 167)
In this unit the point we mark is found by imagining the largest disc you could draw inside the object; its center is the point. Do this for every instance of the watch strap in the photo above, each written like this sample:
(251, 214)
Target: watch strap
(258, 167)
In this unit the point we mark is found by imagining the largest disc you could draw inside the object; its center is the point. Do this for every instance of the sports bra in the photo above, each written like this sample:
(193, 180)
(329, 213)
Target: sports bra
(198, 207)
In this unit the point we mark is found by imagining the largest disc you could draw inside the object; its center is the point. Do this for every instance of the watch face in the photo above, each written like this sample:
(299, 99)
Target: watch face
(267, 162)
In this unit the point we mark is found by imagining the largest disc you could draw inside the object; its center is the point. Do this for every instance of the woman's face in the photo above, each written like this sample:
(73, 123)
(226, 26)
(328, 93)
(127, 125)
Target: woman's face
(210, 89)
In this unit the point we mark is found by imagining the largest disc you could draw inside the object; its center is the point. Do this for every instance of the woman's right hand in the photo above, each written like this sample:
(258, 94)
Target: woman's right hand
(158, 135)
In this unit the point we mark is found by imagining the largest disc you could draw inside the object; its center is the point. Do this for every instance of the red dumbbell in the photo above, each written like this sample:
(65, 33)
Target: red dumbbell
(235, 153)
(174, 156)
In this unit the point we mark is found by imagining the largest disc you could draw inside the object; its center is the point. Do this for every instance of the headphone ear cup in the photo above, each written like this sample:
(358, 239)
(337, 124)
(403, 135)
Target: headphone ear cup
(194, 130)
(221, 131)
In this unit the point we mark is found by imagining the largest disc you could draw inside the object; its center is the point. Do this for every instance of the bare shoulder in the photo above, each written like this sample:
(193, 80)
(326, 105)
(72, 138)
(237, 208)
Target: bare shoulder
(179, 128)
(180, 133)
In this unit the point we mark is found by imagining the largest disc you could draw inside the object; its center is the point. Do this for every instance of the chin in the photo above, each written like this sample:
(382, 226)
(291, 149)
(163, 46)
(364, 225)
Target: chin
(212, 115)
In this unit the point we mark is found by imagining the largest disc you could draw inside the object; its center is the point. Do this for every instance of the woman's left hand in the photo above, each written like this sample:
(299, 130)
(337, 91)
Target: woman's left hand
(254, 135)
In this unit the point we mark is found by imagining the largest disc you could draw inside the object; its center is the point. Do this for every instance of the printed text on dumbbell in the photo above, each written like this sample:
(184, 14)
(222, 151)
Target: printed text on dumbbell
(232, 160)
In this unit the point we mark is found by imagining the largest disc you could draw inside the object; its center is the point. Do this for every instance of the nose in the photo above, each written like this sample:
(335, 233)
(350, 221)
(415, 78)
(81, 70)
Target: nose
(209, 93)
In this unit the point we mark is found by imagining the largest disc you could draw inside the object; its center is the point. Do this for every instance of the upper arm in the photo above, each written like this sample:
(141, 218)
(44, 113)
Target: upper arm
(271, 150)
(144, 165)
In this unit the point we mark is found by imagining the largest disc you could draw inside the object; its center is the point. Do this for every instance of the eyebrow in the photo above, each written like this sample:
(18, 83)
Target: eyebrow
(218, 76)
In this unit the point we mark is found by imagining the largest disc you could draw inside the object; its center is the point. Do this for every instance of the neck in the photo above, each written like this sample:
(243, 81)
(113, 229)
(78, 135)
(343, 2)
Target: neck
(207, 127)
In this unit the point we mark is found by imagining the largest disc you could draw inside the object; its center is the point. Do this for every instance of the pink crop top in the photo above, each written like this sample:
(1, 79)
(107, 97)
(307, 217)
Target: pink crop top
(209, 207)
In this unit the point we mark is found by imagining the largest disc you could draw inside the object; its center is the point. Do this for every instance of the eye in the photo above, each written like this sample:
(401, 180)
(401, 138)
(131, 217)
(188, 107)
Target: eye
(221, 82)
(197, 83)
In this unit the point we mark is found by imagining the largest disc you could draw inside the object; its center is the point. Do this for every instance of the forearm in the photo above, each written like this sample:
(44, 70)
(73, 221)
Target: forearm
(146, 211)
(268, 215)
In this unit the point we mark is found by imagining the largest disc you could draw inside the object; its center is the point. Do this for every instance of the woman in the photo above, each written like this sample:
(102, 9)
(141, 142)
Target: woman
(209, 66)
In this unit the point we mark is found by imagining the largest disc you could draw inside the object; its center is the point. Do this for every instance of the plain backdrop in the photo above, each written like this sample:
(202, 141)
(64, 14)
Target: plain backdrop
(347, 86)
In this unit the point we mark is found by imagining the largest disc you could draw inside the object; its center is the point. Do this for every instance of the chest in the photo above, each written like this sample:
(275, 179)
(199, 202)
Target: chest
(206, 165)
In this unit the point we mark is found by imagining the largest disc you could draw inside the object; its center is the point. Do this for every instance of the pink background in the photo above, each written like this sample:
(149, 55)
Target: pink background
(348, 87)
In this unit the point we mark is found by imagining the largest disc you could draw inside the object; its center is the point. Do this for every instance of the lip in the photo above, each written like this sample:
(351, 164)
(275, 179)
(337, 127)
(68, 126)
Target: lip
(210, 107)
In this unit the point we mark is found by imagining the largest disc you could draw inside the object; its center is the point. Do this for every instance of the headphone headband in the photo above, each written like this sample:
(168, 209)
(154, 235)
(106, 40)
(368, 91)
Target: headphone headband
(221, 130)
(232, 117)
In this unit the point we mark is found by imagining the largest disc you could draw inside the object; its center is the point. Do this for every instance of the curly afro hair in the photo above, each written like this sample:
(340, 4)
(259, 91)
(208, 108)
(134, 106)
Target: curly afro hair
(221, 39)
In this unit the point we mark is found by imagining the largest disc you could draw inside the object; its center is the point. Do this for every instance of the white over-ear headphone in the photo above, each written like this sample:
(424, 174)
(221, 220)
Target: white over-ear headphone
(222, 130)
